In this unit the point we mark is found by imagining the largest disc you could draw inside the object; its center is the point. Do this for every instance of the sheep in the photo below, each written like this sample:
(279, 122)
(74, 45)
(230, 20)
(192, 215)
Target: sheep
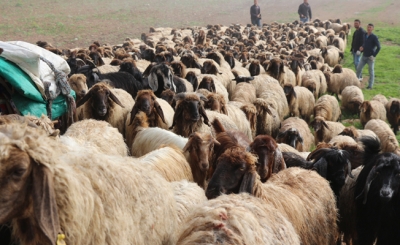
(332, 55)
(217, 103)
(244, 91)
(312, 85)
(188, 195)
(295, 132)
(327, 107)
(169, 162)
(347, 206)
(357, 134)
(372, 110)
(212, 68)
(280, 72)
(216, 222)
(300, 100)
(168, 95)
(146, 101)
(270, 159)
(352, 98)
(292, 191)
(324, 130)
(160, 78)
(83, 194)
(388, 139)
(189, 113)
(393, 113)
(376, 196)
(213, 84)
(268, 119)
(318, 77)
(381, 98)
(99, 134)
(78, 84)
(107, 104)
(269, 89)
(339, 79)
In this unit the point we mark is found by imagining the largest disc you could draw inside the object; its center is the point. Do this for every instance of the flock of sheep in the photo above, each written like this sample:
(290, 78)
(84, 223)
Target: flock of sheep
(207, 135)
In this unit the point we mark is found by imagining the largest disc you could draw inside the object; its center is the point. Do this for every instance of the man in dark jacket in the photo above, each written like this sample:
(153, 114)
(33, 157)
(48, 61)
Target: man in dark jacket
(370, 49)
(357, 42)
(305, 12)
(255, 14)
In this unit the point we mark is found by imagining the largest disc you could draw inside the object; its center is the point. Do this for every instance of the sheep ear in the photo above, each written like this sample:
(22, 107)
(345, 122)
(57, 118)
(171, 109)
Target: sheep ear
(213, 87)
(325, 125)
(115, 99)
(281, 135)
(188, 145)
(224, 110)
(370, 178)
(321, 167)
(248, 182)
(134, 111)
(159, 111)
(153, 82)
(85, 98)
(44, 202)
(279, 163)
(177, 115)
(204, 114)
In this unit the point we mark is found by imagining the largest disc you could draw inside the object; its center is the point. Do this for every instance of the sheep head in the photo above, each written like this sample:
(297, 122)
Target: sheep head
(146, 101)
(276, 68)
(382, 180)
(161, 78)
(291, 137)
(209, 68)
(270, 159)
(189, 109)
(201, 146)
(365, 107)
(192, 78)
(27, 190)
(254, 68)
(216, 102)
(78, 84)
(178, 68)
(168, 95)
(100, 96)
(207, 83)
(235, 172)
(229, 58)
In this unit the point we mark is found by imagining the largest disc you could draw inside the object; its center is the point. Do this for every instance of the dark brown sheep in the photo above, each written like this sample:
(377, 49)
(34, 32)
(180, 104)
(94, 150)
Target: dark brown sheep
(270, 159)
(207, 83)
(393, 113)
(178, 68)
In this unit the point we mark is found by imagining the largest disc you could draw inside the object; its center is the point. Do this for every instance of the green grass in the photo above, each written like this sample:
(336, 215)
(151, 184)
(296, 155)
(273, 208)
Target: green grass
(387, 72)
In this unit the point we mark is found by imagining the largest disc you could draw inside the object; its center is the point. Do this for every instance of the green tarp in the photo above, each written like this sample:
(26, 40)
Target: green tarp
(27, 97)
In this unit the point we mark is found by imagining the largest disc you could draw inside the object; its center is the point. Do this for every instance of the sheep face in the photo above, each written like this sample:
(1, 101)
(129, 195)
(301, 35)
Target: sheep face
(15, 178)
(217, 103)
(100, 97)
(209, 68)
(200, 146)
(291, 137)
(265, 148)
(78, 84)
(383, 181)
(161, 78)
(254, 68)
(207, 83)
(235, 172)
(189, 109)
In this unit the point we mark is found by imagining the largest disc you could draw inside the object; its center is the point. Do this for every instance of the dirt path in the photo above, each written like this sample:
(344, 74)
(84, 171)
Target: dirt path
(73, 23)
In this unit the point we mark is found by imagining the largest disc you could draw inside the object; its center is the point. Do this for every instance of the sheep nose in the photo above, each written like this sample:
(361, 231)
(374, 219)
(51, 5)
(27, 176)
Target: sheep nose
(83, 92)
(204, 166)
(386, 193)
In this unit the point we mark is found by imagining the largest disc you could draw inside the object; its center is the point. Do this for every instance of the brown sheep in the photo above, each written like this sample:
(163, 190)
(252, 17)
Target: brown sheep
(303, 196)
(79, 85)
(393, 113)
(270, 159)
(207, 83)
(280, 72)
(295, 132)
(327, 107)
(352, 98)
(178, 68)
(372, 110)
(324, 131)
(146, 101)
(168, 95)
(357, 134)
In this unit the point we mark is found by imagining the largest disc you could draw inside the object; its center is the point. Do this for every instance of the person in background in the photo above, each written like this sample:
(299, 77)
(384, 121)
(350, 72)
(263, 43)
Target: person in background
(357, 42)
(305, 12)
(370, 50)
(255, 14)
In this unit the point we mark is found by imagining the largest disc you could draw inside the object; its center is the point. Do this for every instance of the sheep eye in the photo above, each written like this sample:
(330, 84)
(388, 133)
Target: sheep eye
(18, 172)
(242, 168)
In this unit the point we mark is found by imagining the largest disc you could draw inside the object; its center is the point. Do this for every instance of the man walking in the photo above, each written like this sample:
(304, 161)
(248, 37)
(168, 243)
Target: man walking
(305, 12)
(255, 14)
(370, 49)
(357, 42)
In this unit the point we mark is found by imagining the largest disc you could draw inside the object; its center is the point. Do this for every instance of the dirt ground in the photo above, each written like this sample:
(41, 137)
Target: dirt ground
(75, 23)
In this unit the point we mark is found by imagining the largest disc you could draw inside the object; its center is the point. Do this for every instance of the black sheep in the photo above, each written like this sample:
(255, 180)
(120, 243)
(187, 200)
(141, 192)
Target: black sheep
(377, 196)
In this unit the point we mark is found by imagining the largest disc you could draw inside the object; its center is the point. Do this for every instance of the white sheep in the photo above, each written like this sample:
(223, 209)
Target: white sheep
(295, 132)
(352, 98)
(327, 107)
(90, 197)
(385, 134)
